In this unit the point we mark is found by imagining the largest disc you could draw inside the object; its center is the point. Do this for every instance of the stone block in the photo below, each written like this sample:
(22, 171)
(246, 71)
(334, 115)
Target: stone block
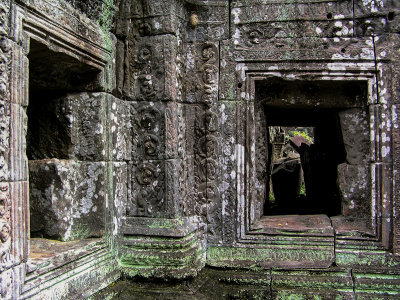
(147, 189)
(213, 21)
(151, 73)
(157, 130)
(395, 81)
(128, 10)
(201, 73)
(354, 182)
(275, 256)
(6, 228)
(396, 179)
(149, 135)
(119, 130)
(356, 135)
(160, 18)
(259, 11)
(116, 203)
(5, 115)
(381, 133)
(120, 72)
(311, 48)
(162, 256)
(74, 126)
(376, 17)
(324, 284)
(258, 22)
(380, 285)
(57, 12)
(19, 84)
(67, 199)
(18, 203)
(17, 149)
(7, 282)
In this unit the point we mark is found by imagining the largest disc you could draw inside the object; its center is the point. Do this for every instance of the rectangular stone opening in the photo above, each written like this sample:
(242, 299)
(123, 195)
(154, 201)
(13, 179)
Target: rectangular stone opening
(66, 157)
(334, 164)
(300, 160)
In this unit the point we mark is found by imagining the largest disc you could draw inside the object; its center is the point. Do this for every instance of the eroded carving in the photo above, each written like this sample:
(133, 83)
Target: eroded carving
(5, 228)
(148, 194)
(150, 144)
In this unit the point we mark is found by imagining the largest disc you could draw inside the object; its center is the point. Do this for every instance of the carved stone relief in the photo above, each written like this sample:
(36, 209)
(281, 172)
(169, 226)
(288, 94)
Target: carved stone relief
(5, 227)
(147, 194)
(6, 230)
(151, 72)
(4, 139)
(213, 21)
(202, 73)
(205, 128)
(148, 130)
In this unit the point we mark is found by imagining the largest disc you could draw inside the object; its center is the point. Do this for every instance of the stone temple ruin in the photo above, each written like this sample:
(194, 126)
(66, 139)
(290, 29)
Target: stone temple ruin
(136, 142)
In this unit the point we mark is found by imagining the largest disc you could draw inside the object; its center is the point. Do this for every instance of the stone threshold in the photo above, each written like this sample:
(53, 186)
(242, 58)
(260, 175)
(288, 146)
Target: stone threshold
(315, 225)
(46, 255)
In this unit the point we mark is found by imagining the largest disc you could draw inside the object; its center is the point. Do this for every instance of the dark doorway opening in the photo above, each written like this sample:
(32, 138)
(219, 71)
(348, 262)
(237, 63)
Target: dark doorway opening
(51, 76)
(310, 159)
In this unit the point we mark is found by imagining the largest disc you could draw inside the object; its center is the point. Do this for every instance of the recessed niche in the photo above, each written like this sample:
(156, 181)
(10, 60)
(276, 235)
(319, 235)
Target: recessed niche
(66, 188)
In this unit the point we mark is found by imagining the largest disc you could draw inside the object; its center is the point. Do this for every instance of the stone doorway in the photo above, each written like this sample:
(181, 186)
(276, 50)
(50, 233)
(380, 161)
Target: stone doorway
(336, 166)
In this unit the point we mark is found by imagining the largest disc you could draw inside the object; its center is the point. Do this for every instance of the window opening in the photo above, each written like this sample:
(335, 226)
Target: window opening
(53, 75)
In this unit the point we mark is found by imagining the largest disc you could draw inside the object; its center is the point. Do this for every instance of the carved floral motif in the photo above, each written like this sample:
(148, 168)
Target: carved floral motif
(146, 175)
(207, 146)
(150, 145)
(148, 117)
(5, 229)
(6, 274)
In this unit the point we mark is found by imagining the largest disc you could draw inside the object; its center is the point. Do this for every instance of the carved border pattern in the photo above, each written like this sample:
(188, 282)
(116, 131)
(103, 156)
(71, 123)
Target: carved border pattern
(148, 169)
(207, 147)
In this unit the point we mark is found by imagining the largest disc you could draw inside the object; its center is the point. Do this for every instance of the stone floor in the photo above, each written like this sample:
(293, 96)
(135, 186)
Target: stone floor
(234, 284)
(208, 285)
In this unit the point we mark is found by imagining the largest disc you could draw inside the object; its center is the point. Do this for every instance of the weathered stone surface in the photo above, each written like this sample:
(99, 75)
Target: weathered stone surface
(160, 17)
(66, 199)
(4, 140)
(6, 227)
(116, 202)
(178, 165)
(7, 280)
(376, 17)
(19, 85)
(201, 73)
(162, 257)
(213, 21)
(396, 179)
(57, 12)
(355, 188)
(118, 131)
(148, 124)
(147, 189)
(17, 167)
(314, 224)
(354, 125)
(151, 72)
(277, 256)
(70, 127)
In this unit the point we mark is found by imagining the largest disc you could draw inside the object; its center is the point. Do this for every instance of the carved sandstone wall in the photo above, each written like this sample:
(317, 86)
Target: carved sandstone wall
(136, 133)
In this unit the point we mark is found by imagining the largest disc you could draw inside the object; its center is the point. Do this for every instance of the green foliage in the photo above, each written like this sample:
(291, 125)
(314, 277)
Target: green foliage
(304, 134)
(303, 189)
(107, 15)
